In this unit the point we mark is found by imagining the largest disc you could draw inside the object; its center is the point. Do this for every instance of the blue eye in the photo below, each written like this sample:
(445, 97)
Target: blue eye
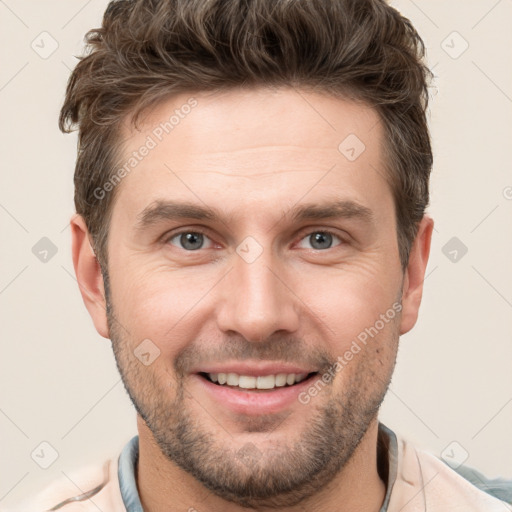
(195, 240)
(189, 240)
(321, 240)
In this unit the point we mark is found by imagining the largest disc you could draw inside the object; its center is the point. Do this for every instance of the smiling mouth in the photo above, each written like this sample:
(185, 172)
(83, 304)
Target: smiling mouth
(256, 383)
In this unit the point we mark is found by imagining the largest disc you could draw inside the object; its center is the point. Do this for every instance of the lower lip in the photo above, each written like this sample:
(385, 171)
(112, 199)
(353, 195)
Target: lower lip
(254, 402)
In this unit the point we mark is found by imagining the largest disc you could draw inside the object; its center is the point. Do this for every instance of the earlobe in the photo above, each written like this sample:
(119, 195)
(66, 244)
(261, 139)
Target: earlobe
(88, 274)
(415, 275)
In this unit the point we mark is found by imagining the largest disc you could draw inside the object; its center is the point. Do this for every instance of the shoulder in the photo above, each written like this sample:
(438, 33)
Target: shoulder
(500, 488)
(424, 482)
(91, 488)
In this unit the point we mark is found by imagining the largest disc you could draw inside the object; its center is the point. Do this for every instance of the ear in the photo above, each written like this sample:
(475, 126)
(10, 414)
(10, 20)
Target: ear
(414, 276)
(88, 274)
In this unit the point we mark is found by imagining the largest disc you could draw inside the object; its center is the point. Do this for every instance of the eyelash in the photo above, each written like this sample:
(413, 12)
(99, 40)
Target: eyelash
(167, 239)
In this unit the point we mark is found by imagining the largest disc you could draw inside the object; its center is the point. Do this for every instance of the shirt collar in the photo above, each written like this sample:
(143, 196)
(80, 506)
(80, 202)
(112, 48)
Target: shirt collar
(387, 449)
(127, 469)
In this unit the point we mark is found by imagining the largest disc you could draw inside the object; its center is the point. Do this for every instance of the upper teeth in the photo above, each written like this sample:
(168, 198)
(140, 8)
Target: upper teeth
(260, 382)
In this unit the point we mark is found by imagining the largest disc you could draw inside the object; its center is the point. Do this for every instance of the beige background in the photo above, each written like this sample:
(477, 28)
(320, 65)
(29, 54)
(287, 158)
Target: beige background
(453, 380)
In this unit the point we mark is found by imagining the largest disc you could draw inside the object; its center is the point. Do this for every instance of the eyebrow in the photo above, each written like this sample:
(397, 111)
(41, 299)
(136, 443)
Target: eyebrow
(165, 210)
(338, 209)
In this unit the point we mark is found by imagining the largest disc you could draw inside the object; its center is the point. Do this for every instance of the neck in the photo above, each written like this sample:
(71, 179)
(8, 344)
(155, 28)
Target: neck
(163, 486)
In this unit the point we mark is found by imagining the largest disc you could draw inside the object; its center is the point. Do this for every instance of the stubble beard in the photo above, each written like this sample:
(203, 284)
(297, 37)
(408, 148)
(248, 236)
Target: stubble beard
(254, 475)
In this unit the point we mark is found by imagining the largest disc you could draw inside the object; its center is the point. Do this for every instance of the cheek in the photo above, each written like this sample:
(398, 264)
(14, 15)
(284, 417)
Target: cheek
(349, 301)
(160, 305)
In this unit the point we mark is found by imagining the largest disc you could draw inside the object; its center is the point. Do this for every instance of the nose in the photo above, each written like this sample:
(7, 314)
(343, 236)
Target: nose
(256, 299)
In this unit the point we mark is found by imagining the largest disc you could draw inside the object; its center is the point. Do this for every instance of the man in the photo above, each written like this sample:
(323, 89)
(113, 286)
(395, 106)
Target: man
(251, 187)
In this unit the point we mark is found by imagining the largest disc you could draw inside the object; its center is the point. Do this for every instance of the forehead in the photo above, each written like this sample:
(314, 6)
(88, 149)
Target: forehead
(253, 150)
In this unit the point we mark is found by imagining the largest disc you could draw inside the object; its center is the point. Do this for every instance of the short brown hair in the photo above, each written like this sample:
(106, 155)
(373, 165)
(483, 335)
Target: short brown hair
(147, 50)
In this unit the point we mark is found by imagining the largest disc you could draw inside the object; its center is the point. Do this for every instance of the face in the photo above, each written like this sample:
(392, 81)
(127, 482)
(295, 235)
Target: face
(255, 242)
